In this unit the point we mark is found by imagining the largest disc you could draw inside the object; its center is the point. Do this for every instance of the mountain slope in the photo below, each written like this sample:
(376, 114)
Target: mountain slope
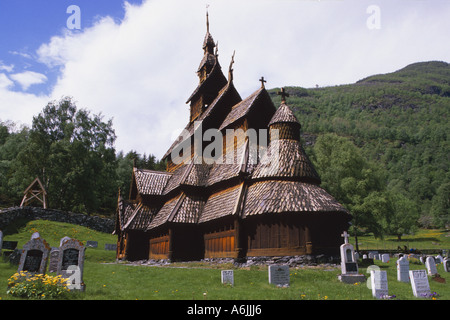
(399, 119)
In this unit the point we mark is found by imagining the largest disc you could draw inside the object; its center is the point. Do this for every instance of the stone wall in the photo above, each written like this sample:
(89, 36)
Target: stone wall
(7, 216)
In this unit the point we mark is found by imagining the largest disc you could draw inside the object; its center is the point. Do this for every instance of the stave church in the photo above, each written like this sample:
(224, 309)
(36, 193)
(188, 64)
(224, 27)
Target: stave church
(236, 194)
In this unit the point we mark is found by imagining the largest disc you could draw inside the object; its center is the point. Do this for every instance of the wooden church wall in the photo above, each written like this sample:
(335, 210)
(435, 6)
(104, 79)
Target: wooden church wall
(220, 239)
(279, 235)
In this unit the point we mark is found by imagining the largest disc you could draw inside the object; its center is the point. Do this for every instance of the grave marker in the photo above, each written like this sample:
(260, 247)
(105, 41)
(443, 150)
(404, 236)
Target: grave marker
(227, 277)
(446, 265)
(110, 247)
(379, 283)
(1, 242)
(419, 283)
(385, 258)
(403, 269)
(279, 275)
(54, 257)
(34, 256)
(431, 266)
(91, 244)
(348, 261)
(71, 263)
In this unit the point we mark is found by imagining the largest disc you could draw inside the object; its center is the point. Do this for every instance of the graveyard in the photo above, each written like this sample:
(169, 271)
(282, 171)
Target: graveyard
(105, 279)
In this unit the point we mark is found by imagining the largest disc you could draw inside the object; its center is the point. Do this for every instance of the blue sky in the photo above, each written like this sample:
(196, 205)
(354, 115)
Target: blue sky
(26, 24)
(134, 61)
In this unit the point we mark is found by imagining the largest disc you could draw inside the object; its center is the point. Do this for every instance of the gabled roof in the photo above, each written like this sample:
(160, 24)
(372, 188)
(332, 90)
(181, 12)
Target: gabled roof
(149, 182)
(224, 93)
(214, 79)
(243, 108)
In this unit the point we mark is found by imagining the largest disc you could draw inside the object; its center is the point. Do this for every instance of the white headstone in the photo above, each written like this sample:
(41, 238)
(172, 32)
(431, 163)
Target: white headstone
(348, 260)
(446, 264)
(379, 283)
(431, 266)
(385, 258)
(279, 275)
(439, 258)
(403, 269)
(419, 283)
(1, 241)
(228, 277)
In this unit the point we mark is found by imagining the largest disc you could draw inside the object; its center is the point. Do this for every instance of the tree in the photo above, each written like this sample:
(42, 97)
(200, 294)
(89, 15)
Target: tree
(440, 205)
(354, 181)
(72, 152)
(402, 216)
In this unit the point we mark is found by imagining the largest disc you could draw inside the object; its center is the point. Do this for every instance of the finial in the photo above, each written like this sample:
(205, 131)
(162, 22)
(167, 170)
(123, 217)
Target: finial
(283, 95)
(207, 19)
(262, 82)
(230, 69)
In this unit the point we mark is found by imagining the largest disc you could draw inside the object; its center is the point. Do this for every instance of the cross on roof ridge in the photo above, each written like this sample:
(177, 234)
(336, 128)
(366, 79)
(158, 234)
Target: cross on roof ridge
(283, 95)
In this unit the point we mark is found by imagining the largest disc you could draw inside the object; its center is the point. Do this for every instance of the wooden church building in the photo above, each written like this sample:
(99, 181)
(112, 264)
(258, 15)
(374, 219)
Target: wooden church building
(242, 199)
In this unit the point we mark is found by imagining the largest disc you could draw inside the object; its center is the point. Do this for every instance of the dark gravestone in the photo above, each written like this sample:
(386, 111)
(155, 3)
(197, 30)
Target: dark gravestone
(34, 256)
(71, 263)
(9, 245)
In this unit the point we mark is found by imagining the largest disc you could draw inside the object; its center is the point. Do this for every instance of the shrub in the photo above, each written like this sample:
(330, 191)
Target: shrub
(37, 286)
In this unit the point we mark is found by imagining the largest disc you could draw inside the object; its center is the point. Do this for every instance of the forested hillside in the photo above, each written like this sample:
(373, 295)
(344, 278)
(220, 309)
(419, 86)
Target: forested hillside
(398, 121)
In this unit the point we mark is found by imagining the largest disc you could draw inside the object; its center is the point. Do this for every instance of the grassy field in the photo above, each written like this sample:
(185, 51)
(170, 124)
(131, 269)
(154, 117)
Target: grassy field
(107, 280)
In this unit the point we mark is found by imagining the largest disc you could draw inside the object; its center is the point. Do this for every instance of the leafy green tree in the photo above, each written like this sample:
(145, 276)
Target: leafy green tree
(402, 216)
(440, 206)
(355, 182)
(72, 152)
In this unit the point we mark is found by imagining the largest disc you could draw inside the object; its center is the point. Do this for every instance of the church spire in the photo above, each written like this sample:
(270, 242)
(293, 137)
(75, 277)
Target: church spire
(208, 43)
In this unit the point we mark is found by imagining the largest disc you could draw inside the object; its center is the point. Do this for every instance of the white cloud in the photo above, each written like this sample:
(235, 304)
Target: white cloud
(6, 68)
(28, 78)
(5, 82)
(141, 70)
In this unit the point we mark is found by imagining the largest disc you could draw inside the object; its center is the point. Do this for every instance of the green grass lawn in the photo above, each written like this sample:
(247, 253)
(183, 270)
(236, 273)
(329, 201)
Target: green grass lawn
(107, 280)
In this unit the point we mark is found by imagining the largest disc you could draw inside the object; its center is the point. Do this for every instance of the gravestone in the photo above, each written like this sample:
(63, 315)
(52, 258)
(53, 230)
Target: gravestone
(279, 275)
(227, 277)
(348, 261)
(71, 263)
(403, 269)
(379, 283)
(34, 256)
(385, 258)
(110, 247)
(9, 245)
(431, 266)
(439, 258)
(54, 258)
(91, 244)
(422, 259)
(349, 266)
(446, 264)
(419, 283)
